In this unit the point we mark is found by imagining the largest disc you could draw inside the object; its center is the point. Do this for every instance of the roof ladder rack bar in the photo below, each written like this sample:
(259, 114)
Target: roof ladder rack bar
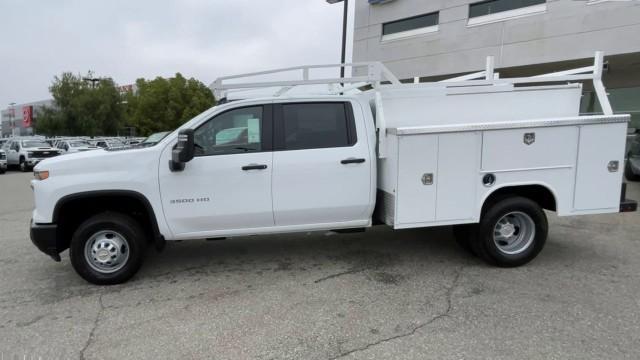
(376, 73)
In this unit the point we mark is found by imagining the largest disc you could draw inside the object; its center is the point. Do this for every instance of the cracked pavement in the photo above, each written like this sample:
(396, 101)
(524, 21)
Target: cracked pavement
(377, 295)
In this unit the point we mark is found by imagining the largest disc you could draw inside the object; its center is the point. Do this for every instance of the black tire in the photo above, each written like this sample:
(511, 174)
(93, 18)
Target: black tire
(465, 235)
(23, 165)
(118, 223)
(628, 173)
(485, 246)
(2, 170)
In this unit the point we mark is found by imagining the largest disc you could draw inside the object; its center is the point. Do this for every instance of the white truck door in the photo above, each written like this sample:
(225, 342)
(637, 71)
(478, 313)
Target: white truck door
(226, 188)
(321, 165)
(13, 153)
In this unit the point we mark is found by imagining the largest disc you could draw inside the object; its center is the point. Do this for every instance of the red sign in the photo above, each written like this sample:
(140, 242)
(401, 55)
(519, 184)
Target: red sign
(27, 116)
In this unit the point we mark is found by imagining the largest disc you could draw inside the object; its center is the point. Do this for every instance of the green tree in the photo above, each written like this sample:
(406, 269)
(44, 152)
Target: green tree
(165, 104)
(82, 108)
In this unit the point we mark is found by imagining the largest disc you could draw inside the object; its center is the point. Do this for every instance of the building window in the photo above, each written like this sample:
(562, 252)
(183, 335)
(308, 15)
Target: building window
(417, 25)
(497, 10)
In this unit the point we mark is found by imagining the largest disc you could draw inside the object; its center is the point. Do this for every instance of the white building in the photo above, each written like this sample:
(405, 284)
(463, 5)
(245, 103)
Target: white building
(433, 39)
(20, 119)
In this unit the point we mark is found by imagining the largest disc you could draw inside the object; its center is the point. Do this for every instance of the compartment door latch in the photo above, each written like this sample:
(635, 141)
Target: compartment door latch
(427, 179)
(529, 138)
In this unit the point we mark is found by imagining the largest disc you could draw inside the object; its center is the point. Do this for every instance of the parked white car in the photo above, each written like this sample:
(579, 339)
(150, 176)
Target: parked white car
(27, 153)
(484, 155)
(108, 144)
(75, 146)
(3, 161)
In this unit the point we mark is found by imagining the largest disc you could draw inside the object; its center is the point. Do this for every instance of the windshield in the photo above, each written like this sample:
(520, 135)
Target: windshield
(79, 144)
(33, 144)
(156, 138)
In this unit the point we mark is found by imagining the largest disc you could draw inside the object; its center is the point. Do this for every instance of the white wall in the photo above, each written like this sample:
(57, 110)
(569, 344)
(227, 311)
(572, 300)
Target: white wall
(567, 30)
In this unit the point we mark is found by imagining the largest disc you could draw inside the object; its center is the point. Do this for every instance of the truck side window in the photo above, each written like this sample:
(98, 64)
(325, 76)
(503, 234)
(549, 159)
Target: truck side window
(316, 125)
(233, 132)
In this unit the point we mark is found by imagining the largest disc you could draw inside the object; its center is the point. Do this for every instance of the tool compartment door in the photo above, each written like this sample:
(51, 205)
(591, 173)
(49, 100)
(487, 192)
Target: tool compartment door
(597, 186)
(416, 199)
(529, 148)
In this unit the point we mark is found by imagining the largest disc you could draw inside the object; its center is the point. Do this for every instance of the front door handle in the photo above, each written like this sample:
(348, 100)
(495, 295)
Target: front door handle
(352, 161)
(254, 167)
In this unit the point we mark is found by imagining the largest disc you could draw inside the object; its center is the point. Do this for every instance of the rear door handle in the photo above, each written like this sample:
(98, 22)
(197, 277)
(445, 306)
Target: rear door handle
(254, 167)
(352, 161)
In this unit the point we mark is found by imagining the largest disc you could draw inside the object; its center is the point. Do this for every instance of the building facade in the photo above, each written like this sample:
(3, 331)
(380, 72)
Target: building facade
(21, 119)
(435, 39)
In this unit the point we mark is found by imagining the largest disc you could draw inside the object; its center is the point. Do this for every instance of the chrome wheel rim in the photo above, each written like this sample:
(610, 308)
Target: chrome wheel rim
(106, 251)
(514, 233)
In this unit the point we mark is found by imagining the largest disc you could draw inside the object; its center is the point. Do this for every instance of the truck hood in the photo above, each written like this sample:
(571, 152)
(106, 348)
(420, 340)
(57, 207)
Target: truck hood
(91, 161)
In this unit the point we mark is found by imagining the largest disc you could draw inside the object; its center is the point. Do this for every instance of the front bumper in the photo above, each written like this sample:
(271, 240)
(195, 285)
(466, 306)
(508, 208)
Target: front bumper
(45, 238)
(32, 162)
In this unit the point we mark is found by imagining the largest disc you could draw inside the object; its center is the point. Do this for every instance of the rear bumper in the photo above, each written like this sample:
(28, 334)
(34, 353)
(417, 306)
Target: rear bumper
(44, 237)
(627, 205)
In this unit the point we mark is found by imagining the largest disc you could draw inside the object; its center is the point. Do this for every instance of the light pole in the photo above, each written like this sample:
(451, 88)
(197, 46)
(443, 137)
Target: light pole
(92, 80)
(12, 117)
(344, 32)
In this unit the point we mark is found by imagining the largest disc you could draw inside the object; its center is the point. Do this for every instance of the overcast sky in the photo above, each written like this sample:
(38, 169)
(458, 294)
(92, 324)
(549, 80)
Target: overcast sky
(129, 39)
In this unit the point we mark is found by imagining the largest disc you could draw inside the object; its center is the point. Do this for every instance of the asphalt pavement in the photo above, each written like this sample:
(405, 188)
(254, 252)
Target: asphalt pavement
(376, 295)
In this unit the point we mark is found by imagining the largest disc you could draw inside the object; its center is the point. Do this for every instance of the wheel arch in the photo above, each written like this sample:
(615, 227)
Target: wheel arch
(83, 205)
(541, 193)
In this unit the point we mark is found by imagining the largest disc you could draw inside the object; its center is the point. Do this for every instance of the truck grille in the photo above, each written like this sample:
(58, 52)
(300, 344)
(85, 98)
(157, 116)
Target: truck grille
(44, 154)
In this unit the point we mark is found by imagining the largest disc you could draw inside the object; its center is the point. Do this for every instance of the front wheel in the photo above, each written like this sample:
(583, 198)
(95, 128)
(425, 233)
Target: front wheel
(107, 249)
(512, 232)
(23, 166)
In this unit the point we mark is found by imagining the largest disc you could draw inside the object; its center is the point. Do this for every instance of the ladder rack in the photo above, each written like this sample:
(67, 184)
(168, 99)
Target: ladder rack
(377, 74)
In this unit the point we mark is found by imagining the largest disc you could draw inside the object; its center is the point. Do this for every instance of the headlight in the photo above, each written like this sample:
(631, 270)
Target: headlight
(29, 153)
(41, 175)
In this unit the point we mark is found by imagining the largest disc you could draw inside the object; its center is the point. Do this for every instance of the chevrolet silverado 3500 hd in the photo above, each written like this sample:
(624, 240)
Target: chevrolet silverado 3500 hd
(488, 155)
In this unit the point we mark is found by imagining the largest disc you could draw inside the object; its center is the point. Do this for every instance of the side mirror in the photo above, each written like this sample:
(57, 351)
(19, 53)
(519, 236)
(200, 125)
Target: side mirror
(184, 150)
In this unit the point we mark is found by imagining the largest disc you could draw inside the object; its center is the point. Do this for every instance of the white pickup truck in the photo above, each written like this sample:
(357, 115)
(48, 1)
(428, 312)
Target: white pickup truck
(28, 152)
(488, 155)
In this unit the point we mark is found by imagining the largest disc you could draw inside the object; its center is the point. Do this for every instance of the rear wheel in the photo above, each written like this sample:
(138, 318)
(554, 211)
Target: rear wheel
(512, 232)
(107, 248)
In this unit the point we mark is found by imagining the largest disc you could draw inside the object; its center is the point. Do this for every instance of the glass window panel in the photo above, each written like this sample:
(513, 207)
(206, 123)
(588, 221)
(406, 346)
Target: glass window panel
(416, 22)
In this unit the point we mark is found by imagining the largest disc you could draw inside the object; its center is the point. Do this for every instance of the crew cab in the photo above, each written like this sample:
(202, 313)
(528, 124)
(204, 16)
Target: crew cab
(27, 153)
(483, 155)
